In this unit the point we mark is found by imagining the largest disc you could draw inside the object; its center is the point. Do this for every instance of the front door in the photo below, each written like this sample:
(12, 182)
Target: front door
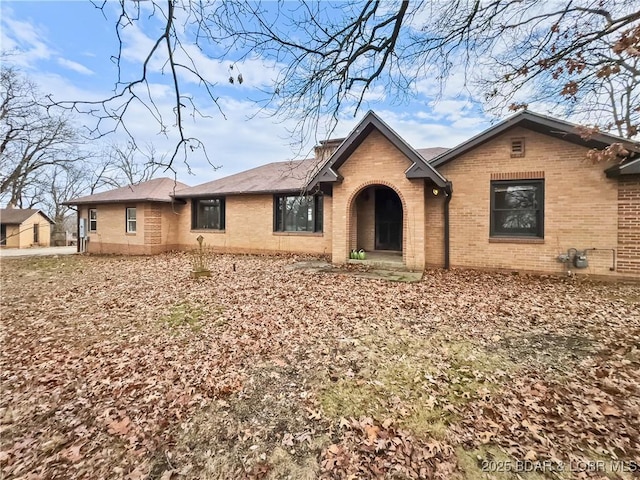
(3, 234)
(388, 220)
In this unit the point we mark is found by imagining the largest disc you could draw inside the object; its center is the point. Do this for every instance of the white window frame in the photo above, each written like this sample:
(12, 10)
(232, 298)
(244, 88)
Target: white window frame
(93, 220)
(131, 223)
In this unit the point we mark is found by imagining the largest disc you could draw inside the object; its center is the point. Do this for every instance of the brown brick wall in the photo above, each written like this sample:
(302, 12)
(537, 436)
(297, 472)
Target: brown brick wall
(378, 162)
(629, 225)
(165, 226)
(128, 249)
(152, 224)
(155, 228)
(583, 210)
(434, 229)
(249, 229)
(581, 206)
(110, 235)
(365, 220)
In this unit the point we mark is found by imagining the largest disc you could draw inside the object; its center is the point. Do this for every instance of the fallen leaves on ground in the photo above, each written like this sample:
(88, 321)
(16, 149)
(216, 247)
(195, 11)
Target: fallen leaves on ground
(117, 367)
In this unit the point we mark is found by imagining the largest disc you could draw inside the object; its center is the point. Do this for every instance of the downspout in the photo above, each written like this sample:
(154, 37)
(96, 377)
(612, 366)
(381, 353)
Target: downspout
(448, 190)
(77, 227)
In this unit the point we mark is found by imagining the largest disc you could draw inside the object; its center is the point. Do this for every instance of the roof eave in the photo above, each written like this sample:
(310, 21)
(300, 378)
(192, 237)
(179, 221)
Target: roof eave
(417, 171)
(11, 222)
(630, 168)
(327, 176)
(101, 202)
(245, 192)
(536, 122)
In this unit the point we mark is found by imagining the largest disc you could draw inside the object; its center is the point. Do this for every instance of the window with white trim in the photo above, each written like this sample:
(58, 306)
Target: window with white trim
(131, 220)
(93, 220)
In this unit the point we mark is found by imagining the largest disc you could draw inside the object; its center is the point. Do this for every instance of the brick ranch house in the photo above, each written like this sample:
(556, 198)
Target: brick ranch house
(521, 195)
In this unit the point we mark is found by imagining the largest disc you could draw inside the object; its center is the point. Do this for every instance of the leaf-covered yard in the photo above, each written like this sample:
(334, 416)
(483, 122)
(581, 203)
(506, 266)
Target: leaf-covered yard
(127, 368)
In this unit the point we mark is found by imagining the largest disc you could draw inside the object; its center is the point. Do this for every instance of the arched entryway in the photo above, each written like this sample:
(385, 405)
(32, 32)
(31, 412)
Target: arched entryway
(377, 219)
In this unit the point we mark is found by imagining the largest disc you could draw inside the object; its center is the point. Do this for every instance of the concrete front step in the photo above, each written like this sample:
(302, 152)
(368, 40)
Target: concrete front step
(381, 264)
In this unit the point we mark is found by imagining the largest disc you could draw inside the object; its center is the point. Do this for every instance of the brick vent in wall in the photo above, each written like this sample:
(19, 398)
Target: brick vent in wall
(517, 176)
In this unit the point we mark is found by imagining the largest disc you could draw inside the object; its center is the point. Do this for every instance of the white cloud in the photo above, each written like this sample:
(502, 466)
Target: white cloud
(255, 71)
(244, 140)
(24, 39)
(75, 66)
(420, 132)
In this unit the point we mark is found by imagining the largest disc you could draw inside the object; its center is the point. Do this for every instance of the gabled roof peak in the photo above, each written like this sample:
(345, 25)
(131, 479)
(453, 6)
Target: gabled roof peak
(538, 122)
(419, 168)
(15, 216)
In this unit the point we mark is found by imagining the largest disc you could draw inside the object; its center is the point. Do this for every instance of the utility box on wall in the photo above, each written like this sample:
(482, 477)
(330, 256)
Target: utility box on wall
(82, 228)
(580, 260)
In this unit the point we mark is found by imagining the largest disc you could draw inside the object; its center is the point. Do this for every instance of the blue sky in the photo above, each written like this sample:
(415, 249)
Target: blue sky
(66, 48)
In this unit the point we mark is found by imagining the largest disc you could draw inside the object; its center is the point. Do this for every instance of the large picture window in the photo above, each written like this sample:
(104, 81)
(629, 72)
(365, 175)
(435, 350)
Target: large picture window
(298, 213)
(207, 213)
(517, 208)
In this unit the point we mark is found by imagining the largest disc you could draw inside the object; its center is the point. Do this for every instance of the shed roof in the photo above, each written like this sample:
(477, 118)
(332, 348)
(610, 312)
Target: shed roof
(156, 190)
(277, 177)
(15, 216)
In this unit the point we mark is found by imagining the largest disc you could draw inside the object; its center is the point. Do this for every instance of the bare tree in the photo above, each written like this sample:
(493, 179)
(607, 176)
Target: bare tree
(60, 185)
(32, 140)
(329, 56)
(169, 49)
(128, 164)
(571, 52)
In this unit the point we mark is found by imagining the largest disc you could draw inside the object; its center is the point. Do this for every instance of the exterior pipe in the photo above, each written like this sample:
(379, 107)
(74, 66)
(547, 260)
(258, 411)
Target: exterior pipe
(448, 190)
(77, 228)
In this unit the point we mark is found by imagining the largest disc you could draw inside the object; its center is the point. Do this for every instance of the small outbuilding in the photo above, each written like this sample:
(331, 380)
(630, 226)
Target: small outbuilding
(24, 228)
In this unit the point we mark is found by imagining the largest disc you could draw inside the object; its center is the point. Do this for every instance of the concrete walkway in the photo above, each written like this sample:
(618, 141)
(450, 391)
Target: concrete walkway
(38, 252)
(391, 272)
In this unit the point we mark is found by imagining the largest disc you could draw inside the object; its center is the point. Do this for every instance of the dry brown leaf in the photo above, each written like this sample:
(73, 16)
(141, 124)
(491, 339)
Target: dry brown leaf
(120, 428)
(610, 411)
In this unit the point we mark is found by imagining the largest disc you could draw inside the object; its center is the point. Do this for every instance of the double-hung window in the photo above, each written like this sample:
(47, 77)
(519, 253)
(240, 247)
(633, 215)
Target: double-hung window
(93, 220)
(131, 220)
(517, 208)
(295, 213)
(208, 213)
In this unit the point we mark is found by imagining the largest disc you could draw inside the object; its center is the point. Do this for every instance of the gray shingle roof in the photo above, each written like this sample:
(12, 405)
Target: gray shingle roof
(156, 190)
(15, 216)
(429, 153)
(277, 177)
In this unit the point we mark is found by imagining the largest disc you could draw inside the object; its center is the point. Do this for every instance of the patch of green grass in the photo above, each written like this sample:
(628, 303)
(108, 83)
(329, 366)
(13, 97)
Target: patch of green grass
(45, 263)
(419, 382)
(184, 314)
